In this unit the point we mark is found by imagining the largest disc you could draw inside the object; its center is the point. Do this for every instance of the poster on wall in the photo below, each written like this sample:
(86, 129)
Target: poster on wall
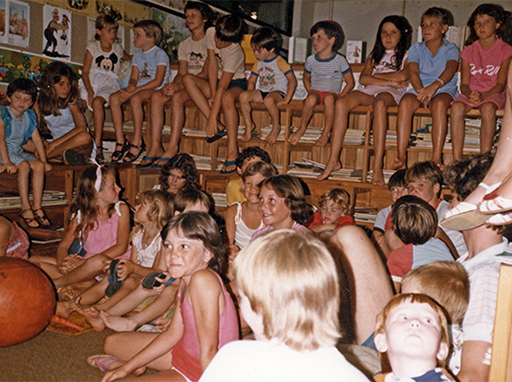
(174, 31)
(3, 21)
(19, 26)
(178, 5)
(57, 32)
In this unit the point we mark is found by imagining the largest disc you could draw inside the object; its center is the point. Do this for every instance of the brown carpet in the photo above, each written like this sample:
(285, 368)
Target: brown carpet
(53, 356)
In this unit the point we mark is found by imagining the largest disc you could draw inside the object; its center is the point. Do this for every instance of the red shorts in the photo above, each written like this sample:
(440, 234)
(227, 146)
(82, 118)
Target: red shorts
(322, 95)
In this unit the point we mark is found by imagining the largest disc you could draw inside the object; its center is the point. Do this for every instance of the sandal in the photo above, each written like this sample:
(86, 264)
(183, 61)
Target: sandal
(31, 220)
(131, 157)
(118, 154)
(102, 361)
(228, 163)
(42, 219)
(100, 157)
(498, 205)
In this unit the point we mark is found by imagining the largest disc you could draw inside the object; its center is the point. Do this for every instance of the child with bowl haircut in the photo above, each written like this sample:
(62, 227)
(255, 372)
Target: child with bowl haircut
(290, 296)
(412, 331)
(414, 222)
(324, 73)
(272, 82)
(334, 211)
(447, 283)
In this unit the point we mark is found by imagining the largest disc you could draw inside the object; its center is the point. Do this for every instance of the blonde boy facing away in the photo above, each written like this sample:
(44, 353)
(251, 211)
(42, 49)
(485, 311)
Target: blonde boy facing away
(323, 77)
(412, 331)
(290, 297)
(272, 82)
(150, 70)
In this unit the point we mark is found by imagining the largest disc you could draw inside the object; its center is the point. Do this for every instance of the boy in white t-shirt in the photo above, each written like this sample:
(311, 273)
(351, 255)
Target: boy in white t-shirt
(272, 82)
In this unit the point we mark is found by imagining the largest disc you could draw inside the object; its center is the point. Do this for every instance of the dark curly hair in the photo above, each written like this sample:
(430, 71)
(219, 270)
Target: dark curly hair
(497, 13)
(185, 163)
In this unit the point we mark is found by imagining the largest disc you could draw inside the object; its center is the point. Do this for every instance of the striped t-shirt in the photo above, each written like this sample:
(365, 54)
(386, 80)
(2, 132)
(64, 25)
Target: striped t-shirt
(327, 75)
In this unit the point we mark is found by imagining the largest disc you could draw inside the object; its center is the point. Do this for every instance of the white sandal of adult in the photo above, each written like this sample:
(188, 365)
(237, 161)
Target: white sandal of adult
(462, 217)
(498, 205)
(499, 219)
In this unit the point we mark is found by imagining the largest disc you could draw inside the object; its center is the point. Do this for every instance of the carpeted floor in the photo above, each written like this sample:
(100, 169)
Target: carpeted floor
(53, 356)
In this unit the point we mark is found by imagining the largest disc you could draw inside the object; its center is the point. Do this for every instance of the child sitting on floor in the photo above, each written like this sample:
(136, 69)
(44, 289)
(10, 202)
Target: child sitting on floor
(412, 331)
(414, 222)
(290, 296)
(447, 283)
(248, 155)
(272, 82)
(324, 73)
(244, 219)
(334, 211)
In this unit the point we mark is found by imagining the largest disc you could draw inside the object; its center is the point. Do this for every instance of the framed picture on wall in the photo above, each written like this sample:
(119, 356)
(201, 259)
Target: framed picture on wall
(19, 25)
(174, 31)
(56, 32)
(3, 21)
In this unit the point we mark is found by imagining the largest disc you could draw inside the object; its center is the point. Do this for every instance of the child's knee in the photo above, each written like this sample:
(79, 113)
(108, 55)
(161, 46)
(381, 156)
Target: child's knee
(457, 109)
(37, 166)
(245, 97)
(488, 110)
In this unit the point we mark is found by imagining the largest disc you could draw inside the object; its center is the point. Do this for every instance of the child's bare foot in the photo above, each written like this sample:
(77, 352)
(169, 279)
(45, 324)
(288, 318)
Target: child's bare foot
(398, 164)
(378, 177)
(272, 137)
(63, 309)
(119, 324)
(92, 316)
(330, 167)
(322, 141)
(439, 164)
(248, 132)
(294, 138)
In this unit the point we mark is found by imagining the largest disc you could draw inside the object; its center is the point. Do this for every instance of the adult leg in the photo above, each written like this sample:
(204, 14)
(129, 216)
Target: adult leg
(408, 105)
(270, 102)
(369, 282)
(457, 128)
(342, 108)
(381, 103)
(439, 106)
(310, 102)
(231, 117)
(156, 123)
(329, 101)
(488, 128)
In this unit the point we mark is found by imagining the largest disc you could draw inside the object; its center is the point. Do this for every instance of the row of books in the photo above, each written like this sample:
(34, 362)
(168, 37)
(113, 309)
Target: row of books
(10, 200)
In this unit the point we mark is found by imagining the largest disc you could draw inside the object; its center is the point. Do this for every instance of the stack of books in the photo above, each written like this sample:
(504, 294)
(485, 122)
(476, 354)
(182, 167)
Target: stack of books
(9, 200)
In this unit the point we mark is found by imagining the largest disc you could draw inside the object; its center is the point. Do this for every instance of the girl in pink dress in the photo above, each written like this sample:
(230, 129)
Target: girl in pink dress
(205, 318)
(98, 230)
(484, 67)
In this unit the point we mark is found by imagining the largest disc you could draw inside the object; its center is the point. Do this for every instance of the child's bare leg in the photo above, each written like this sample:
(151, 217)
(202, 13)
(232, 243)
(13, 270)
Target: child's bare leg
(246, 98)
(199, 91)
(98, 111)
(155, 125)
(329, 101)
(457, 128)
(231, 116)
(124, 346)
(408, 105)
(37, 169)
(136, 101)
(270, 102)
(177, 121)
(129, 285)
(369, 282)
(310, 102)
(488, 129)
(23, 186)
(439, 106)
(381, 103)
(48, 265)
(342, 108)
(92, 267)
(77, 140)
(91, 295)
(154, 310)
(116, 100)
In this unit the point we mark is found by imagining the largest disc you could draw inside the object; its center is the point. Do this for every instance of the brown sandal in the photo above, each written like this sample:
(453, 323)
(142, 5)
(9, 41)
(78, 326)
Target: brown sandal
(118, 154)
(29, 221)
(131, 157)
(43, 220)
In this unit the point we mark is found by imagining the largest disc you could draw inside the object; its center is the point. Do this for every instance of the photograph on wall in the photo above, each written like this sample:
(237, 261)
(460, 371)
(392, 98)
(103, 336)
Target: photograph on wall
(3, 21)
(178, 5)
(19, 26)
(174, 31)
(57, 32)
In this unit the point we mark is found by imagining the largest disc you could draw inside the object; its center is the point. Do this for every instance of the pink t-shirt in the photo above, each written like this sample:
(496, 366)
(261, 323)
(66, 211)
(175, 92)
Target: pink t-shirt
(485, 64)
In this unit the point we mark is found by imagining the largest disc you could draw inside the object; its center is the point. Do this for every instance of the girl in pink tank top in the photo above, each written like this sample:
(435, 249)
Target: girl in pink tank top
(98, 230)
(205, 318)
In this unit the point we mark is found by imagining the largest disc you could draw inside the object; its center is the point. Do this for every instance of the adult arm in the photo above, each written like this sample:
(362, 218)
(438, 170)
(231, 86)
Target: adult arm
(472, 369)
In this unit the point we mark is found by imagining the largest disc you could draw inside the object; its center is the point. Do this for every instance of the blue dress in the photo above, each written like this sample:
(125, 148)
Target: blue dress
(17, 133)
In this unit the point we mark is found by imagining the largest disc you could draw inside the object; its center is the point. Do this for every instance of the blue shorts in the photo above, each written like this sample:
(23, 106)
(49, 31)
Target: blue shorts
(241, 83)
